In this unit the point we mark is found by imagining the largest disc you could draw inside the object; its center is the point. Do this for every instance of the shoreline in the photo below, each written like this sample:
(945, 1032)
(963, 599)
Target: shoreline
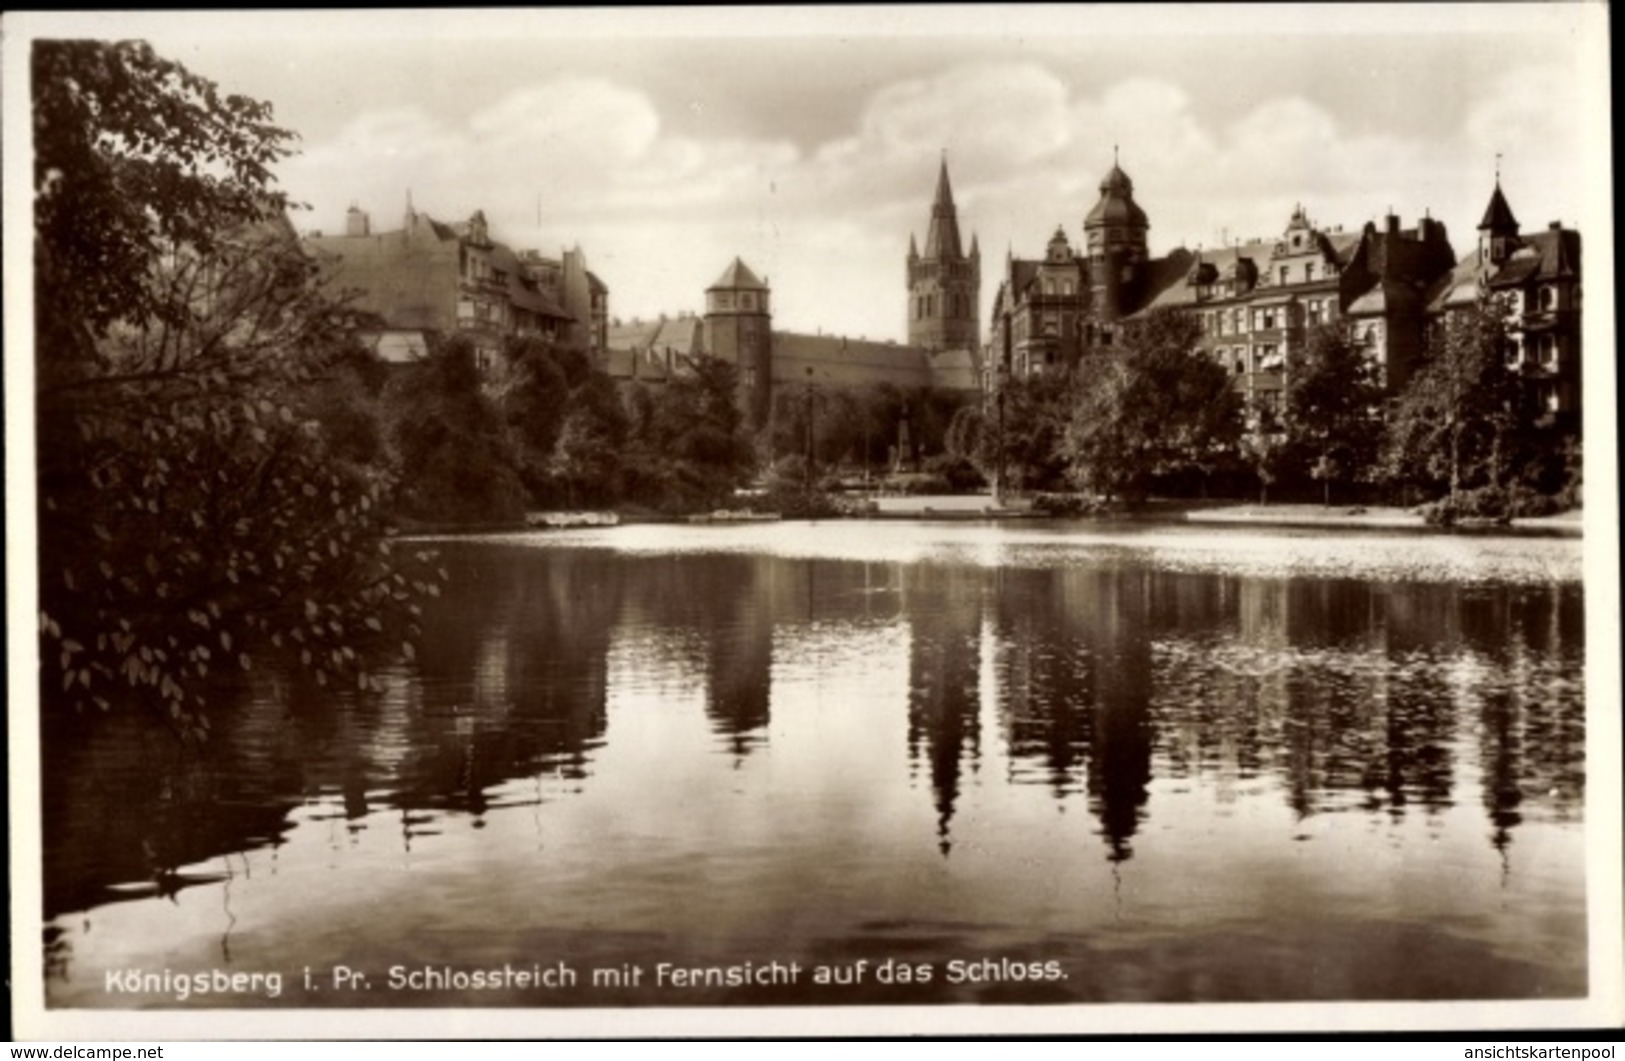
(979, 509)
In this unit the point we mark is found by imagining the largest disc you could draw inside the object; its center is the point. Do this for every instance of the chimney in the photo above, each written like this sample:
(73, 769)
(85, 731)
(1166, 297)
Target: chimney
(356, 222)
(1555, 226)
(1392, 221)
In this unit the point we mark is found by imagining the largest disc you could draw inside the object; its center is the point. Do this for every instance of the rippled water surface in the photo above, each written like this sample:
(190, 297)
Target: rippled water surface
(991, 764)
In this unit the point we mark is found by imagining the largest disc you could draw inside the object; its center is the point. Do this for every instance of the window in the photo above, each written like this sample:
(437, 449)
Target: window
(1238, 318)
(1548, 298)
(1548, 350)
(1283, 275)
(1314, 311)
(1309, 272)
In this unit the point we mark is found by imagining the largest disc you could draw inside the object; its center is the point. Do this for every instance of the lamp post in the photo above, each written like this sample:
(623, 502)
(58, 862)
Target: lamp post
(1001, 377)
(808, 474)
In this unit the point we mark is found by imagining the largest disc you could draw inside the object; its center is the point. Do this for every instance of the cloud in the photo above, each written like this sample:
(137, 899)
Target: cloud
(660, 213)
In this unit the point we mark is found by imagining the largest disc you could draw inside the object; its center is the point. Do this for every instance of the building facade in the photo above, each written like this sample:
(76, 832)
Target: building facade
(1537, 276)
(430, 277)
(1259, 300)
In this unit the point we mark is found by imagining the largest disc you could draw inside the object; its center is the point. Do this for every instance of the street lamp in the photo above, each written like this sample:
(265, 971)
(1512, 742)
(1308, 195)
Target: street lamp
(809, 469)
(1001, 376)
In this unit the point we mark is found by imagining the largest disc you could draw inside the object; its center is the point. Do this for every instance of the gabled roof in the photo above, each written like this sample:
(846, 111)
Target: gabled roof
(1167, 281)
(639, 364)
(1458, 287)
(683, 335)
(405, 282)
(1548, 255)
(737, 277)
(1385, 297)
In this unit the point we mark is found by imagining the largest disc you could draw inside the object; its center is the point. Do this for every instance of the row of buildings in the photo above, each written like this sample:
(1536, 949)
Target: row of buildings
(1257, 301)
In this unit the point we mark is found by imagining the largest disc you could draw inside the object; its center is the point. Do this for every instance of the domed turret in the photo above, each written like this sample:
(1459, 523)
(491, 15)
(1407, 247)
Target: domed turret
(1114, 233)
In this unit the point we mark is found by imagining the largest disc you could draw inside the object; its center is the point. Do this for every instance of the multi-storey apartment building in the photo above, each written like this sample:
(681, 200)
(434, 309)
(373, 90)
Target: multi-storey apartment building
(1537, 275)
(432, 277)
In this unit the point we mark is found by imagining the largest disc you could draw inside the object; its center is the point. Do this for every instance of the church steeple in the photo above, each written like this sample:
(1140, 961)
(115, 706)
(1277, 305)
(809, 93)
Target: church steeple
(942, 239)
(944, 283)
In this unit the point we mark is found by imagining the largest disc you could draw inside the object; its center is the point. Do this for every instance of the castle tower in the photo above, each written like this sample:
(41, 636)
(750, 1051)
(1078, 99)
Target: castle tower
(944, 283)
(739, 329)
(1114, 233)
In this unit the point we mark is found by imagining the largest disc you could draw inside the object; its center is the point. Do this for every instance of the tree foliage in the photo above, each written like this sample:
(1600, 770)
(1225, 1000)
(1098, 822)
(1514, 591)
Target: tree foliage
(687, 446)
(447, 437)
(1457, 425)
(195, 514)
(1332, 414)
(1159, 407)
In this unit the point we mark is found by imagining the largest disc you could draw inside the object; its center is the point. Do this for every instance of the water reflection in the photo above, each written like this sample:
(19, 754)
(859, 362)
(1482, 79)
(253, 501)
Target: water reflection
(1157, 704)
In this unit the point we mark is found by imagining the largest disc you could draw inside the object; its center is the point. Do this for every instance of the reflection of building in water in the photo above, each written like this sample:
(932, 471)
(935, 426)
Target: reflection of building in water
(1074, 675)
(944, 609)
(1045, 672)
(1531, 718)
(739, 654)
(1120, 754)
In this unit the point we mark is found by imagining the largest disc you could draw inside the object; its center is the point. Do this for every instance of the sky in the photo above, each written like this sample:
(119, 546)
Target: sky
(807, 140)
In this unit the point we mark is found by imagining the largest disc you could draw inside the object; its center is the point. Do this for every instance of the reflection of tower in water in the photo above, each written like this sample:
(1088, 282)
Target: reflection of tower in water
(944, 610)
(739, 655)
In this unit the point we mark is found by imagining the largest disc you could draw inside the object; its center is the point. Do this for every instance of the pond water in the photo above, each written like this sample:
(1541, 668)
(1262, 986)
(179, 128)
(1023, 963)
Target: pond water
(864, 763)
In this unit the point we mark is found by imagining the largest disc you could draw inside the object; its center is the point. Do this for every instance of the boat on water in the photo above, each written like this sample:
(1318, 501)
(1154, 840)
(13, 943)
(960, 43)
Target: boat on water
(567, 520)
(724, 515)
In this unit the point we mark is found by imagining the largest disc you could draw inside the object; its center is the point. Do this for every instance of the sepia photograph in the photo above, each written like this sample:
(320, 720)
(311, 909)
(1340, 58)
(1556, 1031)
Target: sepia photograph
(812, 521)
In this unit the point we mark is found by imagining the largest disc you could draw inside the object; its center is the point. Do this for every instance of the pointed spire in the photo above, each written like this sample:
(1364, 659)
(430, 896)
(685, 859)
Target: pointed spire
(913, 248)
(942, 238)
(975, 246)
(945, 193)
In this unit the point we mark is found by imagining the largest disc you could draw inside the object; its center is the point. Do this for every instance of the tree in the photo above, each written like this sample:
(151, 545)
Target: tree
(1159, 407)
(587, 454)
(446, 435)
(1263, 444)
(1456, 426)
(688, 448)
(195, 513)
(1333, 406)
